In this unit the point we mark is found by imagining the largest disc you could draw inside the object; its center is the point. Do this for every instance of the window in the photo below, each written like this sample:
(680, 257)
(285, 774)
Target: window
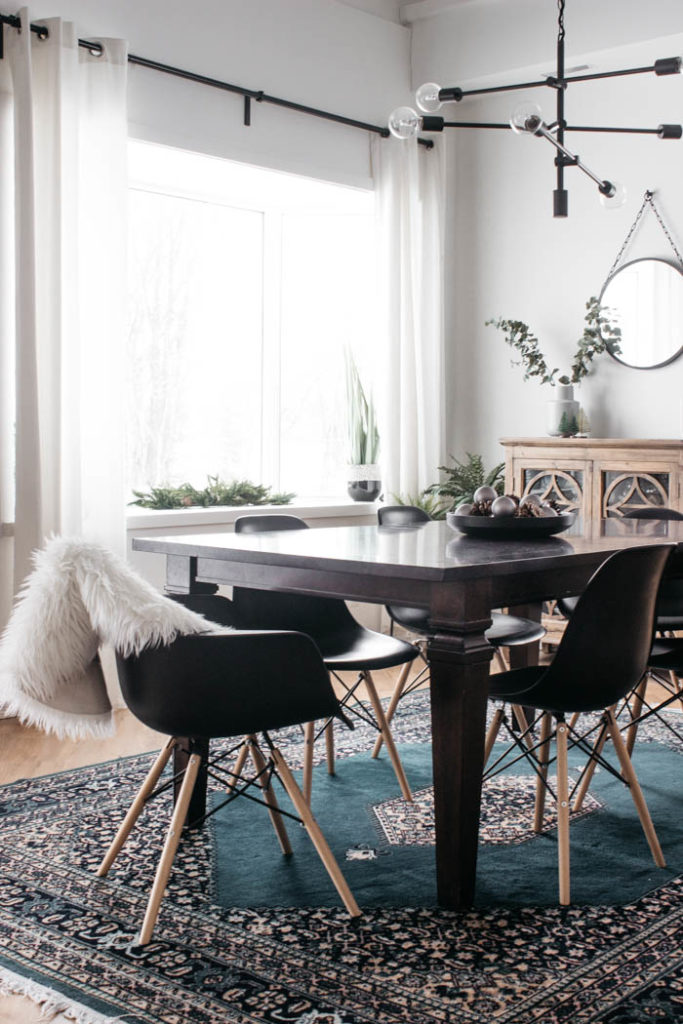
(245, 287)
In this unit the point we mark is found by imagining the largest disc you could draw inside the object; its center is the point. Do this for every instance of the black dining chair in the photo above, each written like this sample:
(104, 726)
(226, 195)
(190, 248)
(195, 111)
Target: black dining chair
(504, 631)
(601, 657)
(345, 646)
(234, 684)
(668, 618)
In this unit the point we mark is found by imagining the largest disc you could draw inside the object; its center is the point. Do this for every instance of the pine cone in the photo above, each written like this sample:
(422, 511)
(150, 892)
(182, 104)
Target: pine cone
(482, 508)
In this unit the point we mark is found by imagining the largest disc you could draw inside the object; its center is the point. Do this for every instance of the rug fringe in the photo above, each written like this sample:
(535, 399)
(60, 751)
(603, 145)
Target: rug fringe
(51, 1002)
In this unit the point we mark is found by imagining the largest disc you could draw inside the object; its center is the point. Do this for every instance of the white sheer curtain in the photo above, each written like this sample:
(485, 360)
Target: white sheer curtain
(65, 333)
(409, 181)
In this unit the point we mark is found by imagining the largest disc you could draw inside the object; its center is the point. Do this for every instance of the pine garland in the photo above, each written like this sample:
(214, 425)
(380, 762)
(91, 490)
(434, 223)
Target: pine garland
(217, 492)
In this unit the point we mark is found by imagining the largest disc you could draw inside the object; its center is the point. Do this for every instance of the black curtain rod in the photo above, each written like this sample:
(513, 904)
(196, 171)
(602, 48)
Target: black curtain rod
(215, 83)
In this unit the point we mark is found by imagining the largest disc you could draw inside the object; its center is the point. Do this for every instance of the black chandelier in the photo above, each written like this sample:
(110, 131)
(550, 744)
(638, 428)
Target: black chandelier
(527, 118)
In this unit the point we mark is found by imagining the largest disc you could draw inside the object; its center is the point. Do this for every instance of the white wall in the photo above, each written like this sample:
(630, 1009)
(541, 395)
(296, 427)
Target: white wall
(508, 256)
(316, 52)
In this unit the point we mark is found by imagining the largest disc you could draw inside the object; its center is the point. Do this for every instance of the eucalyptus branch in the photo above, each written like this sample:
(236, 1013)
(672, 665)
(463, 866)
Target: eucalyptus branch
(519, 336)
(598, 336)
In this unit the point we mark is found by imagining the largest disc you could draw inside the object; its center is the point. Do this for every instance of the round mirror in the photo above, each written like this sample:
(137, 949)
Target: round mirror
(645, 299)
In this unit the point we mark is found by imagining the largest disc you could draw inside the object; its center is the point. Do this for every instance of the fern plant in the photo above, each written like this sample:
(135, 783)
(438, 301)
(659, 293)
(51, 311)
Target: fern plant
(432, 504)
(463, 479)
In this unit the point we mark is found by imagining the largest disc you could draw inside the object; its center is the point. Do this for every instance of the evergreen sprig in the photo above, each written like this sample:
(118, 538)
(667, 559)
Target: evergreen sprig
(217, 492)
(599, 334)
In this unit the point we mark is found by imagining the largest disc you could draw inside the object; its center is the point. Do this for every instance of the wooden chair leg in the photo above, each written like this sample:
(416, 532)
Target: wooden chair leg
(676, 684)
(492, 733)
(388, 738)
(636, 711)
(393, 703)
(169, 851)
(522, 722)
(574, 719)
(269, 796)
(329, 748)
(628, 772)
(136, 807)
(313, 829)
(309, 738)
(563, 812)
(499, 659)
(238, 766)
(543, 757)
(589, 770)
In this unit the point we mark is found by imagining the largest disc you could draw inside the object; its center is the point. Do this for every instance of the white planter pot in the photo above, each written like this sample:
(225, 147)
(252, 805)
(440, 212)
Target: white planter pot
(562, 412)
(364, 482)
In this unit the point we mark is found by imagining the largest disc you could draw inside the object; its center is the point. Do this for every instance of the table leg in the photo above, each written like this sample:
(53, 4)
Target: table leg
(524, 655)
(459, 670)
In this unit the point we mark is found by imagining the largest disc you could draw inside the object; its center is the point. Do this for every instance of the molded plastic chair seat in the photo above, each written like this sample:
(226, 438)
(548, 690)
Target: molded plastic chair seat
(504, 631)
(601, 657)
(358, 649)
(238, 684)
(345, 645)
(668, 619)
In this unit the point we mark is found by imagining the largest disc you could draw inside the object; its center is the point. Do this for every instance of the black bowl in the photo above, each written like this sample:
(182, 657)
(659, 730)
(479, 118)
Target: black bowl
(511, 526)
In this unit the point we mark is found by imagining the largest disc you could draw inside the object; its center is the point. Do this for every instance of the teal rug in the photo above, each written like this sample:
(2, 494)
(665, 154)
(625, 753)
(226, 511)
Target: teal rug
(246, 936)
(385, 845)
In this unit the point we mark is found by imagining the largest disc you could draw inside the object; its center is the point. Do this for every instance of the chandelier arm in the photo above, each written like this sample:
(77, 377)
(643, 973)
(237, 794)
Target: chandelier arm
(559, 81)
(453, 92)
(575, 160)
(596, 76)
(477, 124)
(595, 128)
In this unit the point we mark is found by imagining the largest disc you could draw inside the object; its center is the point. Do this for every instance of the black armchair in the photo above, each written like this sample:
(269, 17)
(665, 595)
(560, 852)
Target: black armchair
(233, 684)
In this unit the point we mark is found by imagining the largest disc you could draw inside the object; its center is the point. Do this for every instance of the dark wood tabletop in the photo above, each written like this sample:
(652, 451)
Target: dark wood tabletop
(459, 579)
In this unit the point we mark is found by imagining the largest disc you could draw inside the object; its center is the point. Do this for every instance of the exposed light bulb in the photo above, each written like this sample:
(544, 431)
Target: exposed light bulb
(526, 118)
(427, 97)
(612, 195)
(404, 122)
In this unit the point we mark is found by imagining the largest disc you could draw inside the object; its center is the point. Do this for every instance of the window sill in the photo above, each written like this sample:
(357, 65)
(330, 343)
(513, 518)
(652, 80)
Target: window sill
(221, 515)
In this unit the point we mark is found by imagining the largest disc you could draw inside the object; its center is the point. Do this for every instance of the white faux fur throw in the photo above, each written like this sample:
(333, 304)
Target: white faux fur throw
(78, 597)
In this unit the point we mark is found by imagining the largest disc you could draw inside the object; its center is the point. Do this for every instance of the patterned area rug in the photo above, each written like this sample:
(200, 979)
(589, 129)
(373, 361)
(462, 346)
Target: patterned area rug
(215, 961)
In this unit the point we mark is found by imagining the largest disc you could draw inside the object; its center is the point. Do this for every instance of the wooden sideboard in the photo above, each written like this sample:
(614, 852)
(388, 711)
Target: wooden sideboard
(597, 477)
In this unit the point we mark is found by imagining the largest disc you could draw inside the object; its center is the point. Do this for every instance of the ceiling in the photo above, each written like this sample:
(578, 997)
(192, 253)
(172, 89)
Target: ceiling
(404, 11)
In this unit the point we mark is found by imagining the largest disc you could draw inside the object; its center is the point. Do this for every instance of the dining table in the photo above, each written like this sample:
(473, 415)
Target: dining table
(459, 579)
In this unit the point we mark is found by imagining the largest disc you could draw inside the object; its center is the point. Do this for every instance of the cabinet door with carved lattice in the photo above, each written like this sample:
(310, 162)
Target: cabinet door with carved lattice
(627, 488)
